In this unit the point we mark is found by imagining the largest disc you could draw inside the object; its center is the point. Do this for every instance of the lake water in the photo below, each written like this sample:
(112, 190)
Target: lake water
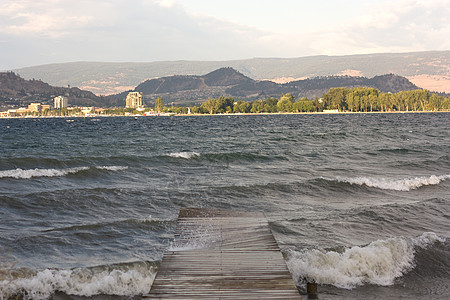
(357, 202)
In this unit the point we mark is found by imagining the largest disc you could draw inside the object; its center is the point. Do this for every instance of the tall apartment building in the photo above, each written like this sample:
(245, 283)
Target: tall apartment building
(134, 100)
(60, 102)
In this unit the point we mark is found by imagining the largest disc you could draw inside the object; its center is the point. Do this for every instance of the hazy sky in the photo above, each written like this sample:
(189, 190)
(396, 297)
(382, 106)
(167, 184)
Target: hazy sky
(34, 32)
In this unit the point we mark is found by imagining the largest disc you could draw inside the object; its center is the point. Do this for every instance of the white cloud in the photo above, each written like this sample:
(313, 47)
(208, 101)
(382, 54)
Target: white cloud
(391, 26)
(51, 19)
(45, 31)
(167, 3)
(71, 30)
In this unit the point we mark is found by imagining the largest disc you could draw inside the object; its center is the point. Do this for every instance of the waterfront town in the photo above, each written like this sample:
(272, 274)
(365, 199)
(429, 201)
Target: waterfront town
(61, 107)
(336, 100)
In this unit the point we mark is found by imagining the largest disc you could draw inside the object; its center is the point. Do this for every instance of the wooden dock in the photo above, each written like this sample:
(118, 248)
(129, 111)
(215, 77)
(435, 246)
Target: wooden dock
(222, 254)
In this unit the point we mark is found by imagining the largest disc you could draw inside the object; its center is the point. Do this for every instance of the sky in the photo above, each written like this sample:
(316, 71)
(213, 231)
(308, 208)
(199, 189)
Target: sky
(36, 32)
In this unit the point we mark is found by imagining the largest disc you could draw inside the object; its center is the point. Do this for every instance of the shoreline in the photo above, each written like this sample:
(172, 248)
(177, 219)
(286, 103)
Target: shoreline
(230, 114)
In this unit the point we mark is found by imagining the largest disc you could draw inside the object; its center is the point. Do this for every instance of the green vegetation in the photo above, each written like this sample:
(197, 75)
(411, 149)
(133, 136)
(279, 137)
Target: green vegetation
(341, 99)
(336, 99)
(370, 99)
(159, 105)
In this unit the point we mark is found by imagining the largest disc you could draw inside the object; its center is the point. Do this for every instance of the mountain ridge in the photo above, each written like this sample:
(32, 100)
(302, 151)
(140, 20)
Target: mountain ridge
(193, 89)
(111, 78)
(227, 82)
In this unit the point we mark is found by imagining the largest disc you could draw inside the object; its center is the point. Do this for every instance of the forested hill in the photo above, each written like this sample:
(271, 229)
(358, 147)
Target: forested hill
(316, 87)
(227, 82)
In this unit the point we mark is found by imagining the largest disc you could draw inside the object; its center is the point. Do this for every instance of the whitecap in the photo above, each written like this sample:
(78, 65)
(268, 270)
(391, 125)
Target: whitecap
(30, 173)
(379, 263)
(427, 239)
(405, 184)
(185, 155)
(112, 168)
(81, 282)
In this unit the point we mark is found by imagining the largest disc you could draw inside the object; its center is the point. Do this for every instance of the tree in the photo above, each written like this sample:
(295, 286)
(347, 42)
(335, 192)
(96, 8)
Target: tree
(304, 105)
(242, 107)
(258, 106)
(286, 103)
(271, 105)
(335, 98)
(350, 99)
(159, 106)
(195, 109)
(435, 102)
(210, 106)
(225, 105)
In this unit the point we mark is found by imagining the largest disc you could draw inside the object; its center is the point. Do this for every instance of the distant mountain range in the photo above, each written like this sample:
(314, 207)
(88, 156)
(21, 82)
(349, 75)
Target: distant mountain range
(430, 70)
(189, 89)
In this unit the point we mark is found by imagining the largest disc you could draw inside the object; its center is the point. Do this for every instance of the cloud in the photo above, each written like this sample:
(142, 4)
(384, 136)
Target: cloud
(46, 31)
(396, 26)
(51, 19)
(144, 30)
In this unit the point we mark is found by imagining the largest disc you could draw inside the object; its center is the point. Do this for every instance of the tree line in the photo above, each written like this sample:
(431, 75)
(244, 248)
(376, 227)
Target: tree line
(360, 99)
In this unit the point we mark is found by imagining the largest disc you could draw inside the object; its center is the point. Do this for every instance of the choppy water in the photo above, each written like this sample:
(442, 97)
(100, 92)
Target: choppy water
(359, 203)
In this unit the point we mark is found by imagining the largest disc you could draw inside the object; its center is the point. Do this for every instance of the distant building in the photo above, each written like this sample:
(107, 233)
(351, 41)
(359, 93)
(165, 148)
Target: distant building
(134, 100)
(60, 102)
(35, 107)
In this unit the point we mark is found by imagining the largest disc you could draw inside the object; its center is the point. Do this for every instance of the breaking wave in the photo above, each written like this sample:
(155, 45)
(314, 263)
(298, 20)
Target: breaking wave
(31, 173)
(185, 155)
(113, 168)
(406, 184)
(122, 280)
(378, 263)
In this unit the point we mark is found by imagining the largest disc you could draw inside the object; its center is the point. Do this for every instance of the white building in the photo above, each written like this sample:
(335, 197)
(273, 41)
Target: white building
(134, 100)
(60, 102)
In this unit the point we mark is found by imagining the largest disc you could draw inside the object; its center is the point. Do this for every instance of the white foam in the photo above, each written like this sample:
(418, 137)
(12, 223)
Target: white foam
(80, 282)
(112, 168)
(192, 244)
(203, 236)
(30, 173)
(427, 239)
(185, 155)
(379, 263)
(406, 184)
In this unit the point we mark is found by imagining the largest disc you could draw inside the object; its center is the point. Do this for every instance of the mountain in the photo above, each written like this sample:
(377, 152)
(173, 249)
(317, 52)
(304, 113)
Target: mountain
(227, 82)
(188, 89)
(16, 92)
(428, 70)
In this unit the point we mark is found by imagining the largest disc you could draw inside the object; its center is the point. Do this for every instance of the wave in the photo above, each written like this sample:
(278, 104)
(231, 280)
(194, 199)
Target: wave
(399, 150)
(148, 221)
(406, 184)
(378, 263)
(113, 168)
(31, 173)
(226, 156)
(185, 155)
(128, 279)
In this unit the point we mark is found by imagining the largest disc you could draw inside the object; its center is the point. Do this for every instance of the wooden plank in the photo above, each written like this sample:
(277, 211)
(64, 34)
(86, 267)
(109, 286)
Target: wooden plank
(223, 254)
